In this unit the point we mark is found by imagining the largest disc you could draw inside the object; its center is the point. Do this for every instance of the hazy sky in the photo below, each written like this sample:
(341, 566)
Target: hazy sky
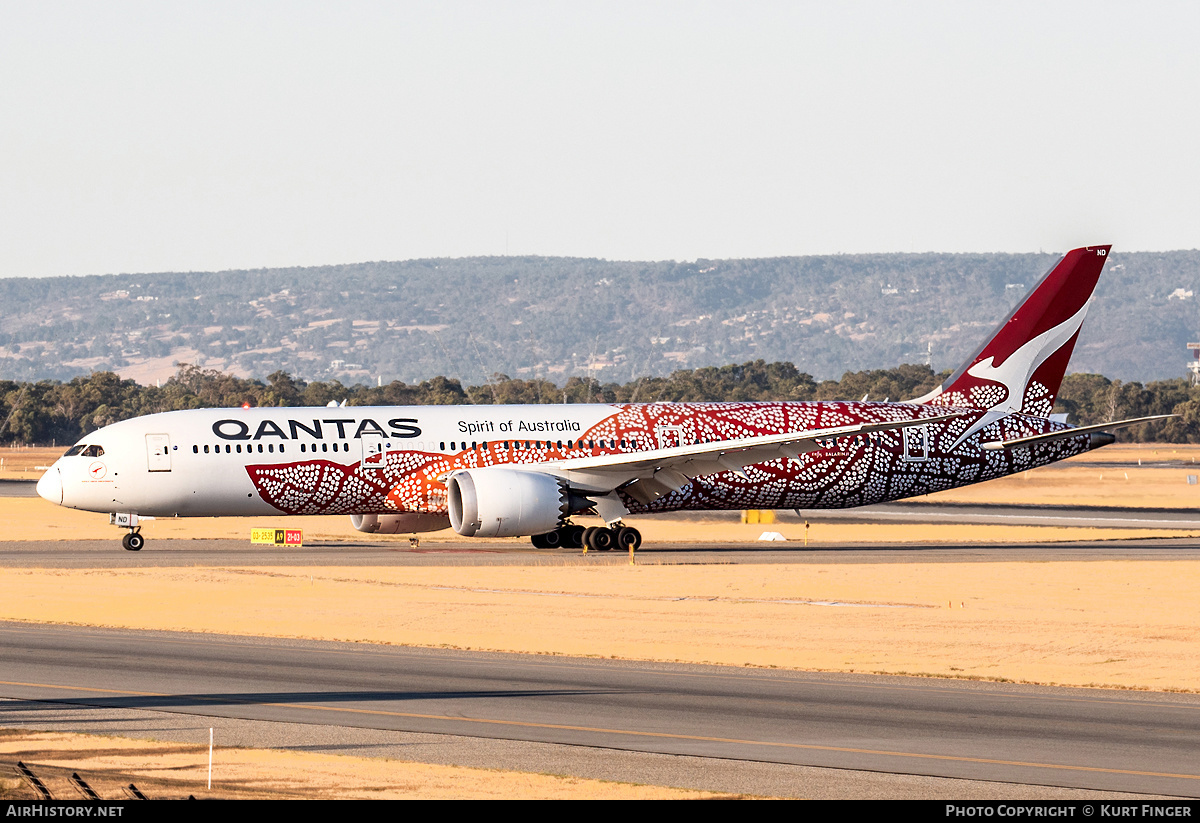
(160, 136)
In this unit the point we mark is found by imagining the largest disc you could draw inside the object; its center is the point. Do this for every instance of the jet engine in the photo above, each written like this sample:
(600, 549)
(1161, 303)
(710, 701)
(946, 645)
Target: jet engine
(403, 523)
(498, 502)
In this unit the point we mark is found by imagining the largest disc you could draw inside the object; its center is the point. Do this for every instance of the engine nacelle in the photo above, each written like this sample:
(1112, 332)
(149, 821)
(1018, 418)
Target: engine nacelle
(496, 502)
(403, 523)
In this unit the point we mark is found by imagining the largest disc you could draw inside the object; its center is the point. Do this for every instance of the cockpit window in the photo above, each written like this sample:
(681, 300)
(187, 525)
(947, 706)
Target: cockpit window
(93, 451)
(74, 450)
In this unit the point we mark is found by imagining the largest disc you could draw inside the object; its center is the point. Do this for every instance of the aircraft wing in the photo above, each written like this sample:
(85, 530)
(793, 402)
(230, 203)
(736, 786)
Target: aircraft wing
(660, 471)
(996, 445)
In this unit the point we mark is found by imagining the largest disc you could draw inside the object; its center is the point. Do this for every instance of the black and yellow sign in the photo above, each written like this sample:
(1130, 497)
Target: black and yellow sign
(277, 537)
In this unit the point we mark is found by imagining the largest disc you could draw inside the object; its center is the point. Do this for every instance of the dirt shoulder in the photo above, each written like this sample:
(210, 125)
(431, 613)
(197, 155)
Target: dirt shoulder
(166, 771)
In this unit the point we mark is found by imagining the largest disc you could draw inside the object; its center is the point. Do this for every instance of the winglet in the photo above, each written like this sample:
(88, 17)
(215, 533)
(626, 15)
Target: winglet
(1021, 366)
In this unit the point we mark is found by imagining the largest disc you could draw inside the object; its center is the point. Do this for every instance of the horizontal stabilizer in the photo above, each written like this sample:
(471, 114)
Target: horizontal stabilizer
(1065, 434)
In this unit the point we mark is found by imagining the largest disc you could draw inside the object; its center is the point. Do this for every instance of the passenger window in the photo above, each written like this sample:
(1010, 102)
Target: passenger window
(206, 449)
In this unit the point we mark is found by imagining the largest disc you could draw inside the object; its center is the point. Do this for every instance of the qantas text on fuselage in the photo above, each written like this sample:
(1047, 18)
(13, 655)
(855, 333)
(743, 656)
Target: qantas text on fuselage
(234, 429)
(400, 427)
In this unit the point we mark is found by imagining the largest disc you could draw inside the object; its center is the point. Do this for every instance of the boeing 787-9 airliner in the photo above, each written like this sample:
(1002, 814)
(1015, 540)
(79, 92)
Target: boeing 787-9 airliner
(497, 471)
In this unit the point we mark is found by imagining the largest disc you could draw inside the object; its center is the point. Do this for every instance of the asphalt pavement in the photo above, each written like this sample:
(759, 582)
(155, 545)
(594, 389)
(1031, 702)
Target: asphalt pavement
(344, 694)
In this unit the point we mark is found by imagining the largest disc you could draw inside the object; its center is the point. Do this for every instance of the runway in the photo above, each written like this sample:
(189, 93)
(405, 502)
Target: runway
(107, 553)
(1112, 517)
(18, 488)
(1094, 740)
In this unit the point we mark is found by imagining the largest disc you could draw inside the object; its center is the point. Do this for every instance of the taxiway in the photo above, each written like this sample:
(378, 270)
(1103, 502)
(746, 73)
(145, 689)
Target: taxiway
(1094, 740)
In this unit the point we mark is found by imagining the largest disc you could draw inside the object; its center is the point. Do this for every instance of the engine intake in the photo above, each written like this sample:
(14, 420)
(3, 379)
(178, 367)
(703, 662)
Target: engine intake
(496, 502)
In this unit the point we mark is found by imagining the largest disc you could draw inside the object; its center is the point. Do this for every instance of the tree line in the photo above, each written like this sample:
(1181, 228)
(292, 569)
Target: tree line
(53, 412)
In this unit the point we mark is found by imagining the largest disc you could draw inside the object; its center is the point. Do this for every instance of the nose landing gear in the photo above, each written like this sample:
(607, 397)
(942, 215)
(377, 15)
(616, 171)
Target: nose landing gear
(132, 542)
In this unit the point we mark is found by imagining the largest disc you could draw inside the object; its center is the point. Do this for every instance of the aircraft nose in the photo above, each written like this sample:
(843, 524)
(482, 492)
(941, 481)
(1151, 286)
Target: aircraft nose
(51, 487)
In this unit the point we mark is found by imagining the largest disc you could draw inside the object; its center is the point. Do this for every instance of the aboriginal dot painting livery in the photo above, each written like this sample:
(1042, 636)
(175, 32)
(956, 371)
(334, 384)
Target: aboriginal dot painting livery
(494, 471)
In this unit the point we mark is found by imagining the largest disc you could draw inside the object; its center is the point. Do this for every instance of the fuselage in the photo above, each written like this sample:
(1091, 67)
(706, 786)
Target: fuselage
(362, 460)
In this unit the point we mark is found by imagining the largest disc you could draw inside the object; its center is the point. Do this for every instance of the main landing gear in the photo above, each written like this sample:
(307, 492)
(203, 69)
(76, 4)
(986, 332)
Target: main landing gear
(594, 538)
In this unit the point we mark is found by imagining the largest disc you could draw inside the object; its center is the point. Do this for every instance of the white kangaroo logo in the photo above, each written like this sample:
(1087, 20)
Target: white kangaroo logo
(1016, 370)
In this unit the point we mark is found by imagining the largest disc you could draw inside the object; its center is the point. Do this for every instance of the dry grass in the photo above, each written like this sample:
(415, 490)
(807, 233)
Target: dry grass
(24, 462)
(1080, 482)
(1128, 624)
(176, 770)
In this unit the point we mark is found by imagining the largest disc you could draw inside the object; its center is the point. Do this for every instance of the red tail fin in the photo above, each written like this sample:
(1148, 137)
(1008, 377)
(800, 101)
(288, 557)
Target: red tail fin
(1021, 367)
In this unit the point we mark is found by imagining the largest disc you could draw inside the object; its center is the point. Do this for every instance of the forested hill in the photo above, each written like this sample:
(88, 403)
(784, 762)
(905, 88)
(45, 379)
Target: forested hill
(553, 318)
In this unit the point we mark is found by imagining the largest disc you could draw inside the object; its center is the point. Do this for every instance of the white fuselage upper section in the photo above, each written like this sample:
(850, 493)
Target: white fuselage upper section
(194, 463)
